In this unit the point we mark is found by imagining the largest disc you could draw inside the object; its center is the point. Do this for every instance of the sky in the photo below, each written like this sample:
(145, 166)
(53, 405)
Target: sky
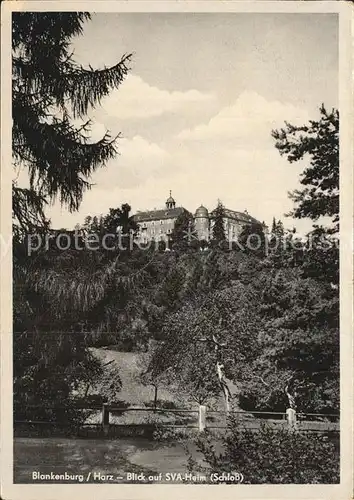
(196, 111)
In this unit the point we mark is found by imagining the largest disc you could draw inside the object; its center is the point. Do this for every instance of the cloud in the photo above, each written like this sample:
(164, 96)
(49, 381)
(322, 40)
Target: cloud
(138, 160)
(129, 178)
(136, 99)
(249, 120)
(243, 179)
(232, 157)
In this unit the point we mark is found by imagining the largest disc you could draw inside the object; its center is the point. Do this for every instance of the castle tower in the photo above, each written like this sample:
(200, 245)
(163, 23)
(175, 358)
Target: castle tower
(201, 223)
(170, 202)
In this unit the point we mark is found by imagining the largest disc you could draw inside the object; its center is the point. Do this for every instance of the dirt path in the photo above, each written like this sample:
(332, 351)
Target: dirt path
(107, 457)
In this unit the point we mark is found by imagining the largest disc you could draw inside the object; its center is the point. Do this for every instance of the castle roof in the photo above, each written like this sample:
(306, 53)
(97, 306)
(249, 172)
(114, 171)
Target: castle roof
(165, 213)
(239, 216)
(201, 212)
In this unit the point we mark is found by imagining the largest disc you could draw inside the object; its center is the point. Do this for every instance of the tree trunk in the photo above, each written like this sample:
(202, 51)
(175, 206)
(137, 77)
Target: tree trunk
(227, 401)
(224, 386)
(290, 396)
(155, 397)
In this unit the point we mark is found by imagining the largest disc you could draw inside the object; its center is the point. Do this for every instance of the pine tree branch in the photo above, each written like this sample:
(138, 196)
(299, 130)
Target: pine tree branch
(89, 86)
(58, 151)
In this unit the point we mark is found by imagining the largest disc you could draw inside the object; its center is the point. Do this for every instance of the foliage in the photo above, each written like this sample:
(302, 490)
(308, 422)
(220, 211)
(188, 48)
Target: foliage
(275, 312)
(107, 385)
(51, 359)
(49, 90)
(278, 326)
(190, 363)
(218, 228)
(149, 378)
(272, 456)
(320, 140)
(55, 294)
(252, 239)
(321, 257)
(113, 231)
(167, 435)
(162, 403)
(299, 342)
(183, 235)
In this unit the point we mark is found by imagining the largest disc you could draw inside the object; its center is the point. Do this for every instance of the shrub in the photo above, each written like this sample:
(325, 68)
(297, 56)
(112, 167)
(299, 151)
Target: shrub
(272, 455)
(170, 435)
(162, 403)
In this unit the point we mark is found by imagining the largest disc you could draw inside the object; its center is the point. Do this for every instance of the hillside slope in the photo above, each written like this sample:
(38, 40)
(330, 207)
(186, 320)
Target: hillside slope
(133, 391)
(129, 366)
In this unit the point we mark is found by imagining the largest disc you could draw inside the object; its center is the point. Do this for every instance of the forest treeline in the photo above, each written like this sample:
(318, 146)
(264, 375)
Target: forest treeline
(278, 320)
(276, 307)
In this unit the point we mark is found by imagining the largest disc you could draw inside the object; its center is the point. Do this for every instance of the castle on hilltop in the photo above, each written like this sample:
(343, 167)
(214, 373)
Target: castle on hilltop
(158, 224)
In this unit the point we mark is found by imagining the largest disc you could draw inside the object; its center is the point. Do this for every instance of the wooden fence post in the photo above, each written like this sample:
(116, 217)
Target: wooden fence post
(291, 418)
(105, 419)
(202, 418)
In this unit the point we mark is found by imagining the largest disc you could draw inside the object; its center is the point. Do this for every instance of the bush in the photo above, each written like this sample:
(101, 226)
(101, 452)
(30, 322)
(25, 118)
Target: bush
(162, 403)
(67, 416)
(170, 435)
(272, 455)
(119, 403)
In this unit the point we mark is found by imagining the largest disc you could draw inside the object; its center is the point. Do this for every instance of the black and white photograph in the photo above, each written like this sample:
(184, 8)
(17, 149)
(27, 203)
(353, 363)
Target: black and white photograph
(177, 235)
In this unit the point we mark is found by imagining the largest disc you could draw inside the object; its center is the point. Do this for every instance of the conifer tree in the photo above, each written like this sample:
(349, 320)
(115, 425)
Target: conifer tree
(49, 90)
(218, 229)
(276, 243)
(273, 235)
(183, 235)
(252, 239)
(318, 140)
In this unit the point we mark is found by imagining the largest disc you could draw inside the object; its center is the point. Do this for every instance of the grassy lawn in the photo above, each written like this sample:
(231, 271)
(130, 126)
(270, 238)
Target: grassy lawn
(129, 367)
(81, 456)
